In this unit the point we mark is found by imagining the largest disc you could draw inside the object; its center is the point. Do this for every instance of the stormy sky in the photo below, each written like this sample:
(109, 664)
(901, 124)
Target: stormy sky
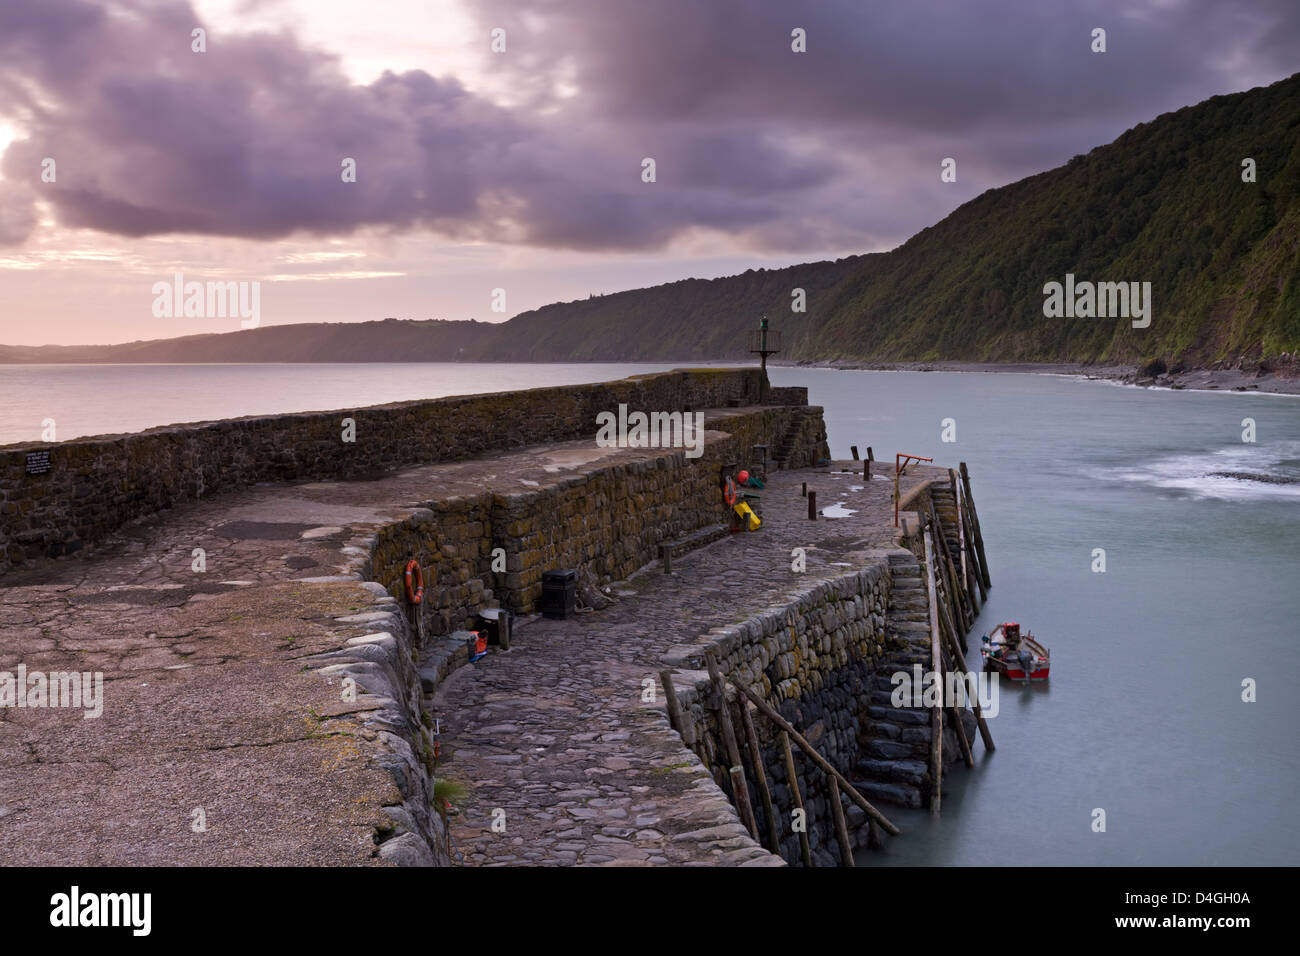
(522, 169)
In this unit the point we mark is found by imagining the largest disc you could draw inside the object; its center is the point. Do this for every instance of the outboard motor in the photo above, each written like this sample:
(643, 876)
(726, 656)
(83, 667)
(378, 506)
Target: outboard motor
(1026, 658)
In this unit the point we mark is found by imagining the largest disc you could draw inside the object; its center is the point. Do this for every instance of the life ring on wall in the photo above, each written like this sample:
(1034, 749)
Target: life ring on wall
(414, 594)
(729, 492)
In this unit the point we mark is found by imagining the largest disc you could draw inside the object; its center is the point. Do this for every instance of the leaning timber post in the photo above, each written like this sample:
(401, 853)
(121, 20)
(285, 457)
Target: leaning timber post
(962, 519)
(741, 791)
(941, 567)
(684, 728)
(975, 518)
(980, 571)
(954, 713)
(974, 574)
(768, 711)
(854, 449)
(796, 798)
(841, 828)
(936, 669)
(969, 574)
(760, 777)
(955, 594)
(968, 544)
(954, 648)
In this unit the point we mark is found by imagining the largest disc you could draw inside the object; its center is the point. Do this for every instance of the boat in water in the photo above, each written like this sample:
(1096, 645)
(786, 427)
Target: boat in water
(1014, 655)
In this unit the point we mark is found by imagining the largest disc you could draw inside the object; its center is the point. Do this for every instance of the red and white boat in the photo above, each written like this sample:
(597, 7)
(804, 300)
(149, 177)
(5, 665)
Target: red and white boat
(1014, 655)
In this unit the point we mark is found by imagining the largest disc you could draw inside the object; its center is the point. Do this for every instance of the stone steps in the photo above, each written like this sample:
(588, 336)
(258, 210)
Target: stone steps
(790, 439)
(896, 747)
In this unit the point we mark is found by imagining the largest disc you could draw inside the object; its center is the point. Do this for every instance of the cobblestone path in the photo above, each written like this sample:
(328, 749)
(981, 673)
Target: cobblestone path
(208, 705)
(555, 733)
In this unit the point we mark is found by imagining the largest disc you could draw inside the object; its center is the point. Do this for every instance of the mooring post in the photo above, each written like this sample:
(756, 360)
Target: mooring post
(796, 798)
(866, 469)
(803, 490)
(812, 506)
(666, 556)
(854, 449)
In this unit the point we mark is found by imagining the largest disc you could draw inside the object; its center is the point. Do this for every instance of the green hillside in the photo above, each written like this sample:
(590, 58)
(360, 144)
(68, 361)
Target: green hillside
(1165, 203)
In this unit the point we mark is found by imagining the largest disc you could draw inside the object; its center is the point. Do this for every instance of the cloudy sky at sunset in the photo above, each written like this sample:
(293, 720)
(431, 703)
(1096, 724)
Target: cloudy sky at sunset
(522, 169)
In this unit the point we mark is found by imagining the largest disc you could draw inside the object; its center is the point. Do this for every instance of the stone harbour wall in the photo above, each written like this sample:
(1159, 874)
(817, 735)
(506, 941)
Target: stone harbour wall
(607, 520)
(814, 659)
(382, 661)
(93, 486)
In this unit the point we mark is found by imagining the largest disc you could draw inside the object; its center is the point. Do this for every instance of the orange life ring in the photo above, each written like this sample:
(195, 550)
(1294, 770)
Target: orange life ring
(729, 492)
(416, 594)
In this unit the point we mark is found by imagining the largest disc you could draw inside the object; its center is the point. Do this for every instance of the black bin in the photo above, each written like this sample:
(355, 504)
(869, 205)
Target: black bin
(559, 593)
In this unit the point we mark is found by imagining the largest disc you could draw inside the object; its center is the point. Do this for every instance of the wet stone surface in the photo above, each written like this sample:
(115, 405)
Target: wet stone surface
(218, 695)
(553, 738)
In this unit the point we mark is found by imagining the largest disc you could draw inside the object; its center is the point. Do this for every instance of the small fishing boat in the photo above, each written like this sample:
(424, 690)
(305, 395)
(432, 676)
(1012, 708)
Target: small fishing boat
(1014, 655)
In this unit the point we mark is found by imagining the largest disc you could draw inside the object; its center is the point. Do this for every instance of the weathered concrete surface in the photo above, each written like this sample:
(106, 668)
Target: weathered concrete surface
(215, 698)
(212, 697)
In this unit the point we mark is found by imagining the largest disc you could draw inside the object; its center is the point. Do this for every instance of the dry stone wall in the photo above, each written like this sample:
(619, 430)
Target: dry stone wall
(93, 486)
(608, 520)
(814, 659)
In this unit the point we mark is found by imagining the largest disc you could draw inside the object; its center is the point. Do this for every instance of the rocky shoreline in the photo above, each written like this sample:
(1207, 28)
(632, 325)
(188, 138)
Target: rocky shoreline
(1280, 377)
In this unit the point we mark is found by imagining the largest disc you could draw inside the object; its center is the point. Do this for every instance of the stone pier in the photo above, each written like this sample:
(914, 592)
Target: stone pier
(271, 697)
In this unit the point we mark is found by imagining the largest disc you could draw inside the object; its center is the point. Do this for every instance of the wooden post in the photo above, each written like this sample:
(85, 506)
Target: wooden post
(760, 777)
(854, 449)
(866, 470)
(955, 594)
(954, 648)
(941, 568)
(894, 500)
(796, 799)
(936, 668)
(741, 792)
(975, 518)
(666, 556)
(976, 573)
(969, 574)
(841, 829)
(768, 711)
(954, 712)
(505, 620)
(675, 717)
(871, 455)
(812, 506)
(803, 490)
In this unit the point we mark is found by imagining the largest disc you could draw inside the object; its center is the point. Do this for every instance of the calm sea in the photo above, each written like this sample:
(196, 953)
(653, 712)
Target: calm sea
(1143, 717)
